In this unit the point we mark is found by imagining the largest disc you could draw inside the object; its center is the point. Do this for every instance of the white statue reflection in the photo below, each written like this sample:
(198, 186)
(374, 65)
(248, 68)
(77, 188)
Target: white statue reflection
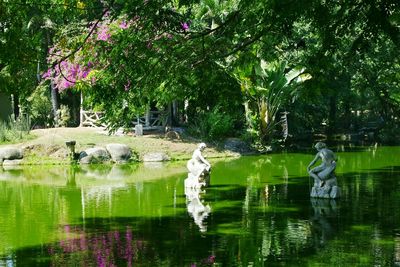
(199, 169)
(196, 208)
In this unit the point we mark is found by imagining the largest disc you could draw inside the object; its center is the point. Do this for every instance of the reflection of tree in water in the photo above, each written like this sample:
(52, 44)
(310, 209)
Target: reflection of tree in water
(196, 208)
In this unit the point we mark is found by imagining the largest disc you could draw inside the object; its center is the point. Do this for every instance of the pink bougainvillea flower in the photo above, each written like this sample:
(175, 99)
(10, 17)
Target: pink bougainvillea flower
(103, 34)
(184, 26)
(127, 86)
(47, 74)
(66, 84)
(123, 24)
(85, 73)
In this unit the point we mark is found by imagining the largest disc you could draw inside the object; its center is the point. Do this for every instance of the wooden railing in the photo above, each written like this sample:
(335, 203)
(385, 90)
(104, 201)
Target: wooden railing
(91, 119)
(150, 121)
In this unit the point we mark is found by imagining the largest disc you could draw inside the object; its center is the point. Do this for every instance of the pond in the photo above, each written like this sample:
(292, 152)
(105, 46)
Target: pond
(257, 212)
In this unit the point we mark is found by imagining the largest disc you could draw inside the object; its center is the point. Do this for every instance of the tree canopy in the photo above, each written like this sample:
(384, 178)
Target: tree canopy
(127, 55)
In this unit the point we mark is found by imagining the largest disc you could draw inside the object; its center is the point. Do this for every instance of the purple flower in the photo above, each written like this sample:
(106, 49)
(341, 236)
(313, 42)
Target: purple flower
(66, 84)
(64, 64)
(47, 74)
(127, 86)
(103, 34)
(74, 70)
(184, 26)
(210, 259)
(85, 73)
(123, 25)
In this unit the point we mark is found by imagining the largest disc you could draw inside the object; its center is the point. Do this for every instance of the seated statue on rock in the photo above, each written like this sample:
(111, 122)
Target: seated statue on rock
(199, 169)
(325, 184)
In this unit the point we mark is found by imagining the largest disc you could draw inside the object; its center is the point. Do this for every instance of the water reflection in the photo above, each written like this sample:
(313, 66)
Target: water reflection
(261, 215)
(322, 229)
(112, 248)
(71, 178)
(195, 207)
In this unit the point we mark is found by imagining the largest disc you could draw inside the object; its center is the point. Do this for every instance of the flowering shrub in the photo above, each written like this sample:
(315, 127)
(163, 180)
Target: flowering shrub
(68, 68)
(123, 63)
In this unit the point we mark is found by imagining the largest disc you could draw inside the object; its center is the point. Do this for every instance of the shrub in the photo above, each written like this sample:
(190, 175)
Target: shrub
(40, 109)
(212, 125)
(389, 134)
(13, 130)
(64, 117)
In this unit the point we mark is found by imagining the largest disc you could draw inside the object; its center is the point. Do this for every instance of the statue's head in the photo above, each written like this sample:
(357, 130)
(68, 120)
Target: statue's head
(320, 145)
(202, 146)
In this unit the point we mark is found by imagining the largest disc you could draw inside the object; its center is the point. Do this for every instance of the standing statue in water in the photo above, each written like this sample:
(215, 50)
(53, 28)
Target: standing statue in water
(325, 184)
(199, 169)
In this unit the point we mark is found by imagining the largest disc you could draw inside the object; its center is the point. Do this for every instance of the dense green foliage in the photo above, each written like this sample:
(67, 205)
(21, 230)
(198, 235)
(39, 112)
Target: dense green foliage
(213, 125)
(125, 56)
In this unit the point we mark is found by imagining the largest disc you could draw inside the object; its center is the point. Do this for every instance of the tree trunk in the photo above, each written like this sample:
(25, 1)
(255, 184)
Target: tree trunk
(55, 96)
(16, 105)
(74, 104)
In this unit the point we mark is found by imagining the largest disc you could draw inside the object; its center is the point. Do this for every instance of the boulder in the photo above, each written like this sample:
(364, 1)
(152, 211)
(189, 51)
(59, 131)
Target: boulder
(94, 155)
(119, 152)
(327, 190)
(14, 162)
(172, 135)
(10, 153)
(155, 157)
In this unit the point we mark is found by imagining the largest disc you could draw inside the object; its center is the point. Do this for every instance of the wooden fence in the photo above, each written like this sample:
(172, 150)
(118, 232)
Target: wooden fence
(152, 120)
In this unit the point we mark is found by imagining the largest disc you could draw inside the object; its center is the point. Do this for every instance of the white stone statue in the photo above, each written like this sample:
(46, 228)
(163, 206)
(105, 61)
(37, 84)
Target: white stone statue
(196, 208)
(325, 184)
(199, 169)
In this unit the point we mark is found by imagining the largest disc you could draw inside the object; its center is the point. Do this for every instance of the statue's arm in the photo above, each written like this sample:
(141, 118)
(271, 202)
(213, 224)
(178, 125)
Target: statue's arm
(313, 162)
(204, 160)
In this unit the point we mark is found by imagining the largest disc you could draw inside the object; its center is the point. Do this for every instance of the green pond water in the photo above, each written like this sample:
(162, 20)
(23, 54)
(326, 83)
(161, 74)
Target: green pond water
(257, 212)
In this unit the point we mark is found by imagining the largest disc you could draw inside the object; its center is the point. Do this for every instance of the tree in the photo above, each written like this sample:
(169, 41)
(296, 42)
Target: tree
(126, 54)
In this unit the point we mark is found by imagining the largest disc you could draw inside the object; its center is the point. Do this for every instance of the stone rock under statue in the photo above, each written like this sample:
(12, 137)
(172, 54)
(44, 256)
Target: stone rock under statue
(325, 183)
(199, 169)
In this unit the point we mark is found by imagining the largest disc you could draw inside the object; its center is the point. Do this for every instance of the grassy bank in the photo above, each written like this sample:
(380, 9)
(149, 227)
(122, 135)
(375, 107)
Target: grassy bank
(47, 146)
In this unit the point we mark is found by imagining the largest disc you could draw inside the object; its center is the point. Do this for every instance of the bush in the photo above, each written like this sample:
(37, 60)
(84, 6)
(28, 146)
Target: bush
(13, 130)
(212, 125)
(64, 117)
(40, 109)
(389, 135)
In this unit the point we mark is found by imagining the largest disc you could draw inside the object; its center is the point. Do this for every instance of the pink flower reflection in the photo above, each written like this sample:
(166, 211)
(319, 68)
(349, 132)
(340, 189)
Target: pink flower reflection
(103, 249)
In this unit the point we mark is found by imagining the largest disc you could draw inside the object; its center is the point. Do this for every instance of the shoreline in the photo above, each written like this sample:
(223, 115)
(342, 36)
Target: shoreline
(47, 146)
